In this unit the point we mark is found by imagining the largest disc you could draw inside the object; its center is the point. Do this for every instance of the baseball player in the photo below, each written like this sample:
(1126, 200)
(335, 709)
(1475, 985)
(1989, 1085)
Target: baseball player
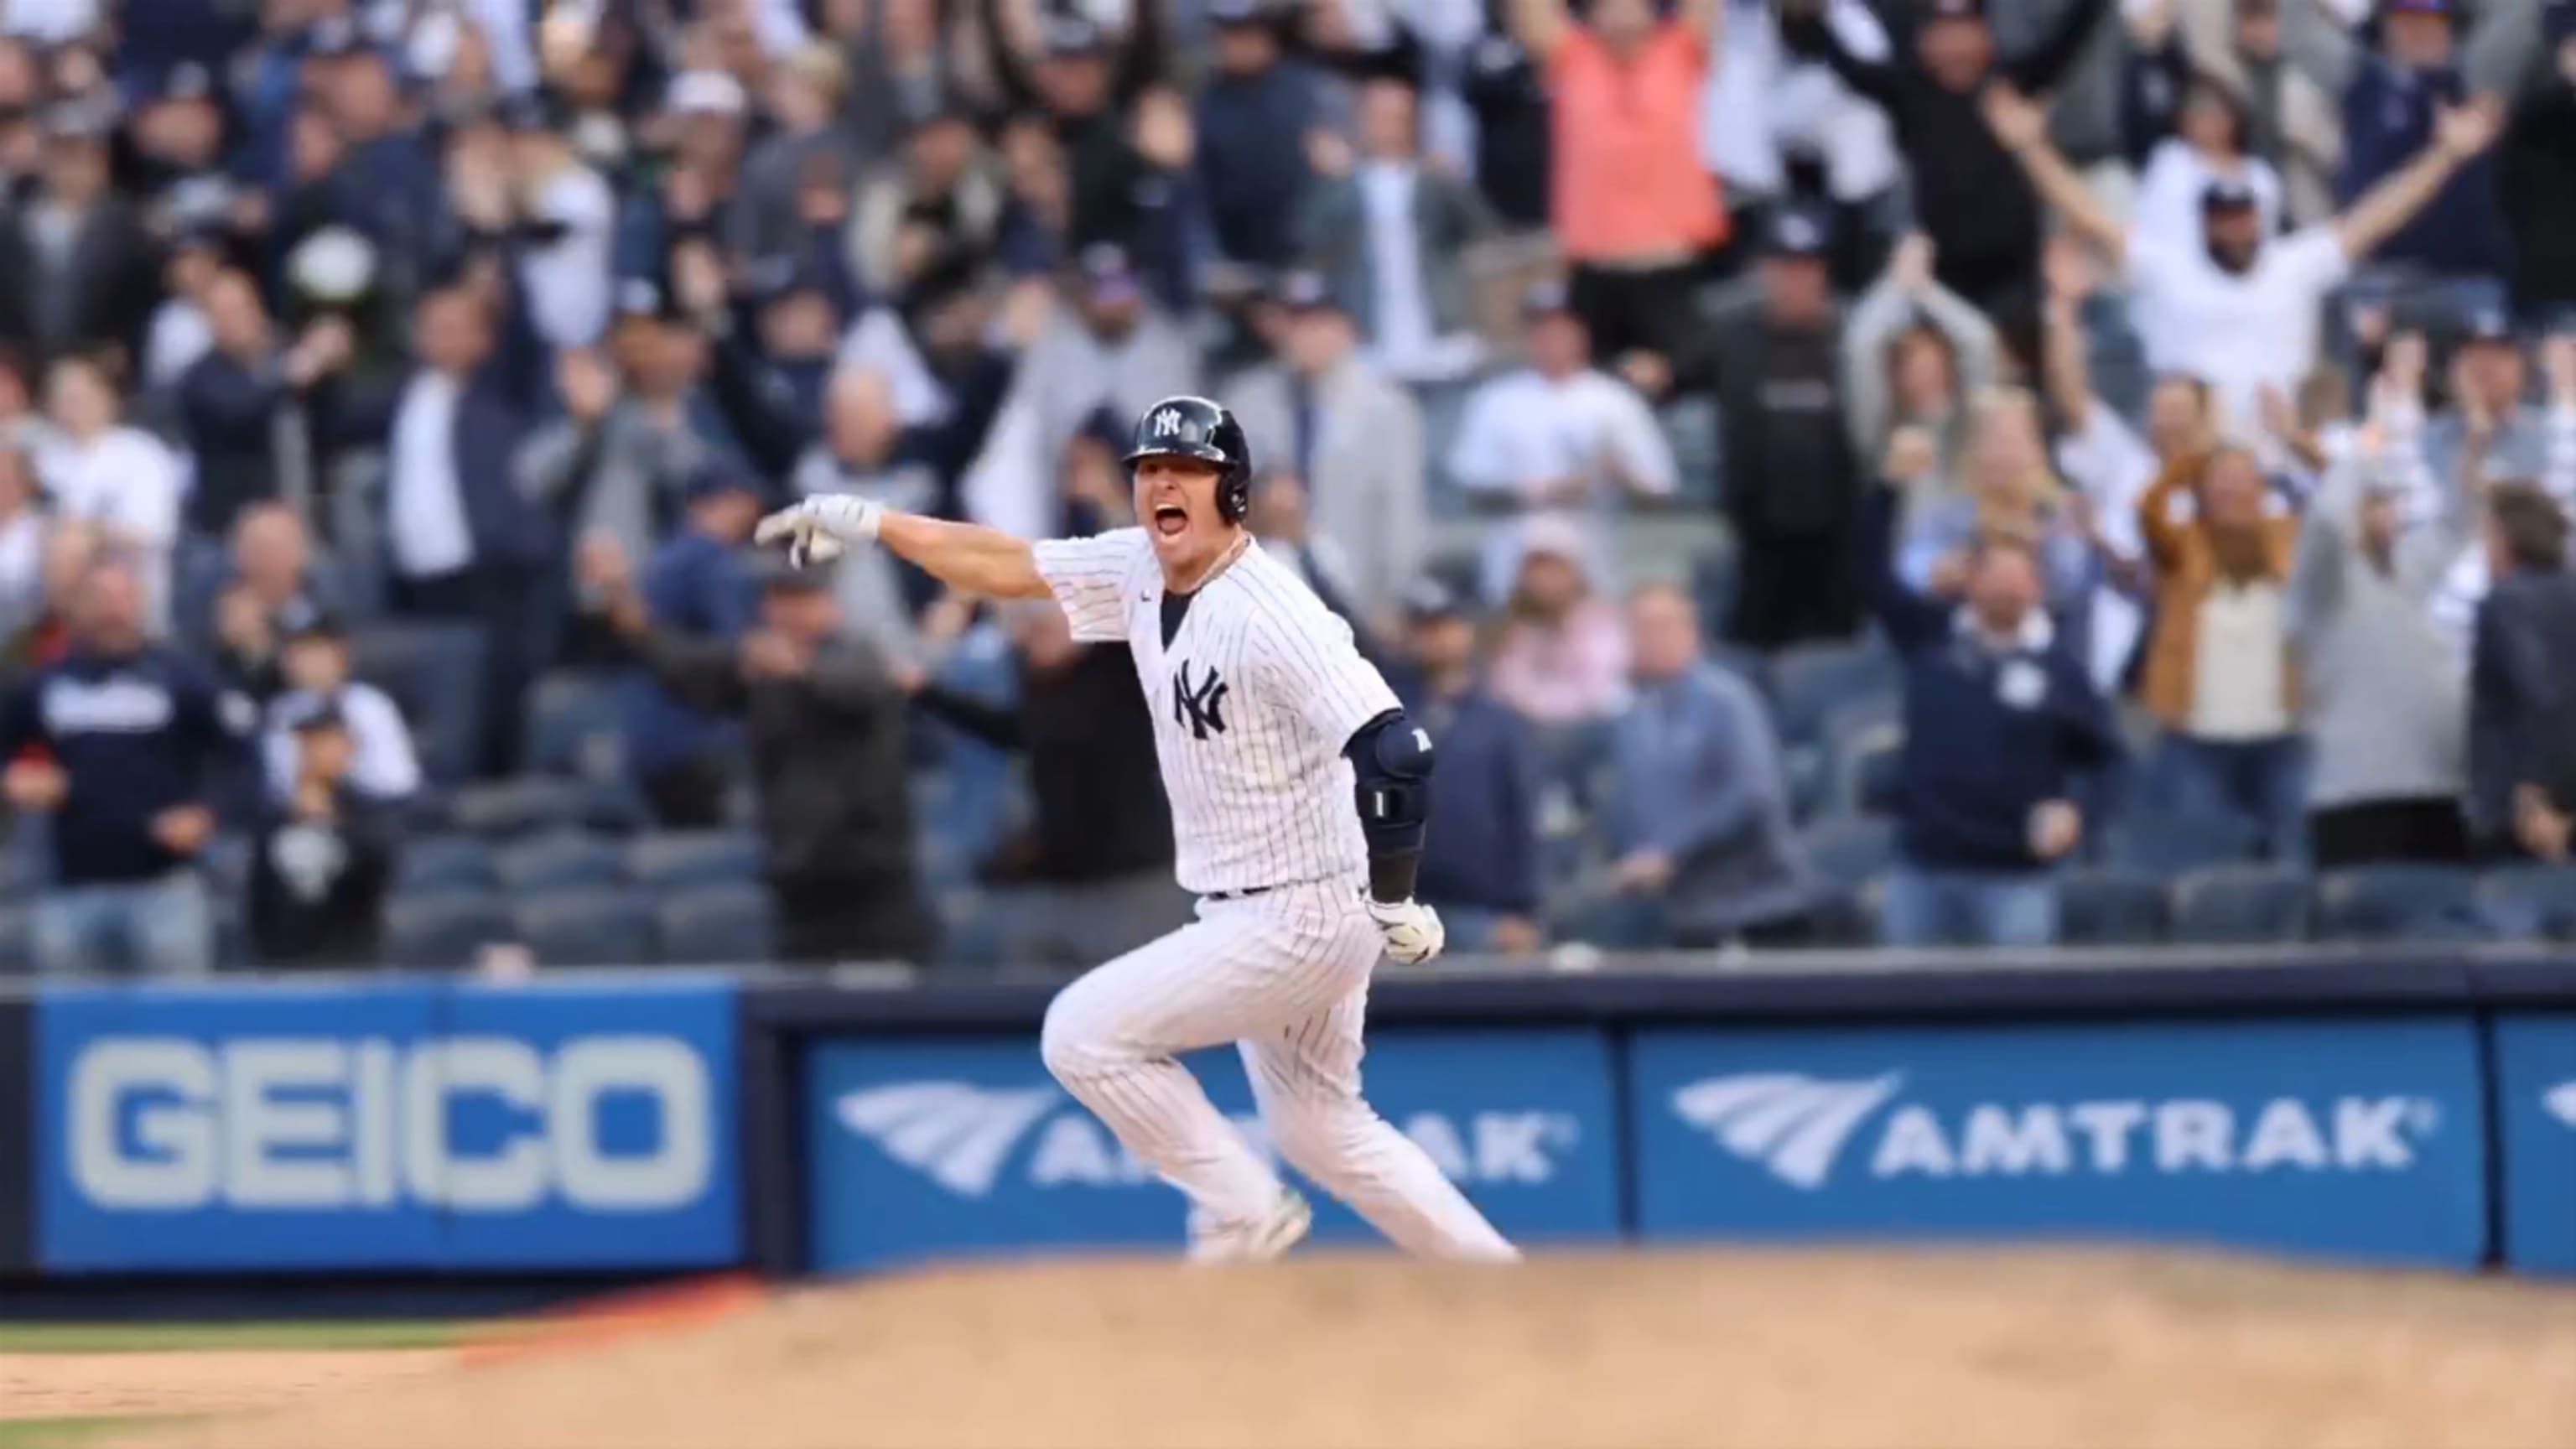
(1299, 796)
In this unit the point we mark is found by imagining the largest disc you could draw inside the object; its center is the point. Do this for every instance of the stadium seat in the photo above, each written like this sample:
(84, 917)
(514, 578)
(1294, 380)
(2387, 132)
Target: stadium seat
(1849, 849)
(2529, 903)
(26, 857)
(715, 925)
(1690, 426)
(2167, 842)
(1811, 682)
(445, 863)
(604, 927)
(227, 866)
(1808, 770)
(1713, 584)
(2111, 908)
(1745, 664)
(2398, 903)
(434, 672)
(533, 804)
(680, 860)
(232, 934)
(1868, 746)
(2240, 905)
(17, 958)
(558, 861)
(577, 726)
(441, 929)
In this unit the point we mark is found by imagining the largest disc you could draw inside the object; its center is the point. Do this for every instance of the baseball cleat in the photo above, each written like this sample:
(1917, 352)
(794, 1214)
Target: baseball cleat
(1262, 1242)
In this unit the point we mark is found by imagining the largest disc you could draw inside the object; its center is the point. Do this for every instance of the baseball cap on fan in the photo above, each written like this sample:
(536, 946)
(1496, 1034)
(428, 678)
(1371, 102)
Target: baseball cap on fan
(1557, 536)
(1546, 298)
(706, 93)
(334, 38)
(2227, 194)
(1798, 235)
(1307, 292)
(89, 118)
(2489, 327)
(175, 83)
(1108, 276)
(648, 299)
(715, 478)
(1431, 601)
(1067, 36)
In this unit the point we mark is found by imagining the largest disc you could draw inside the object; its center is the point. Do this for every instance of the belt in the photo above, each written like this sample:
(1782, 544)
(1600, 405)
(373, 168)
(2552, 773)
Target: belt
(1240, 895)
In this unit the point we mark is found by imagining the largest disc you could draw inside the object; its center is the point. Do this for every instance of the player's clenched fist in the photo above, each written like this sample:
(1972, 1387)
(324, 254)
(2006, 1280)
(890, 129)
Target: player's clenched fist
(821, 528)
(1412, 930)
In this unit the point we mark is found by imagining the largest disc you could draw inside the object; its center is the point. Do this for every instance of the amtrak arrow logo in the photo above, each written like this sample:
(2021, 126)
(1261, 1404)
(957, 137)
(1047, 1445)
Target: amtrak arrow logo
(1794, 1126)
(955, 1132)
(2561, 1102)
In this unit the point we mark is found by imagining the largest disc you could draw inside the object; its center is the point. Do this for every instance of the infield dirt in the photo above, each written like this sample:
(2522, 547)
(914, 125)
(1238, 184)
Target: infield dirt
(1763, 1351)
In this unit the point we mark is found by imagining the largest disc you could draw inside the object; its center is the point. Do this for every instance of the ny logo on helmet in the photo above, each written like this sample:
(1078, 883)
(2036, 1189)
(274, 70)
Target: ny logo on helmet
(1167, 422)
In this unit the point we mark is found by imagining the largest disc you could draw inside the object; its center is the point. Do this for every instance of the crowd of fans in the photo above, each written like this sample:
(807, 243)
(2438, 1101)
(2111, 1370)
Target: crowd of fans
(1823, 468)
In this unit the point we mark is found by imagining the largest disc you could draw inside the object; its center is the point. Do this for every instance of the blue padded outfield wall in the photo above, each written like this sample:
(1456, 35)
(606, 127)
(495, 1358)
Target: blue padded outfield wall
(2394, 1113)
(2403, 1111)
(2535, 1074)
(920, 1148)
(2359, 1139)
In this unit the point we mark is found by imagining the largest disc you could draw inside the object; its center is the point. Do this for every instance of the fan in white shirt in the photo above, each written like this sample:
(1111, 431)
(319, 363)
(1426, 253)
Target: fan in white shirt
(121, 478)
(1761, 101)
(2183, 172)
(565, 273)
(1558, 434)
(2241, 309)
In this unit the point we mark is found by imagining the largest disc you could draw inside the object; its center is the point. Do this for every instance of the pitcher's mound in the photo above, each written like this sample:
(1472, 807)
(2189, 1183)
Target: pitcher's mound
(1877, 1350)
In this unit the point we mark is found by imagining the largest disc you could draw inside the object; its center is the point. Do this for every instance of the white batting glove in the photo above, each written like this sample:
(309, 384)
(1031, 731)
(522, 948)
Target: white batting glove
(1412, 930)
(821, 528)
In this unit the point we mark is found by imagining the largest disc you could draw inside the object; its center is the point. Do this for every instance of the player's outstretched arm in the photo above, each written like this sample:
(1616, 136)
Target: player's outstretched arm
(964, 556)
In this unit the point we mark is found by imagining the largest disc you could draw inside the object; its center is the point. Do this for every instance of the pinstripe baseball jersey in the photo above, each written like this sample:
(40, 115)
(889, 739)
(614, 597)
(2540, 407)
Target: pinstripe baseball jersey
(1252, 699)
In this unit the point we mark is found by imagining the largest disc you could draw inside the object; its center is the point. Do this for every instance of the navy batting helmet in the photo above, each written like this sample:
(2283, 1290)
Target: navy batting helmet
(1193, 427)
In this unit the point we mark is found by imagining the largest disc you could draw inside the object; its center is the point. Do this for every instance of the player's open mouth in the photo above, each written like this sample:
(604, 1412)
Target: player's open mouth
(1170, 519)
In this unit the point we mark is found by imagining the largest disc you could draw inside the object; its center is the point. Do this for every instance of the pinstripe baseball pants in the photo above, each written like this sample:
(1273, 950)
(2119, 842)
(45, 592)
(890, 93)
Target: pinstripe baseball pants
(1285, 976)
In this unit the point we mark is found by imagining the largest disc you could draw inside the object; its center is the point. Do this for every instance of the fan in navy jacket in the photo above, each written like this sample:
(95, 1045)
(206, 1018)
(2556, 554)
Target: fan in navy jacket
(117, 742)
(2001, 721)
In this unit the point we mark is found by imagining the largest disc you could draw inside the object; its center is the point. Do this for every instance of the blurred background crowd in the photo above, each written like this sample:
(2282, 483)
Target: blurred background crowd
(1971, 472)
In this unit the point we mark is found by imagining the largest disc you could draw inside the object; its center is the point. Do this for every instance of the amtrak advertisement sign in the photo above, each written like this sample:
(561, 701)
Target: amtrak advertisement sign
(2535, 1083)
(922, 1147)
(2349, 1138)
(387, 1125)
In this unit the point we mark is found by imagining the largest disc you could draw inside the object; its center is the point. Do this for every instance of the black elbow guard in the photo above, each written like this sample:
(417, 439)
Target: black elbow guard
(1391, 758)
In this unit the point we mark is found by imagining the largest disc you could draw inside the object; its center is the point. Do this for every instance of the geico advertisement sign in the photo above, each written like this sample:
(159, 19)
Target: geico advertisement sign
(2356, 1137)
(924, 1146)
(284, 1123)
(388, 1123)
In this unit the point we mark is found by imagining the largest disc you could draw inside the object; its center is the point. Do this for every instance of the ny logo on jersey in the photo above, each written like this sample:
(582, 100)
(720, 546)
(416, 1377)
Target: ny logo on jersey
(1200, 706)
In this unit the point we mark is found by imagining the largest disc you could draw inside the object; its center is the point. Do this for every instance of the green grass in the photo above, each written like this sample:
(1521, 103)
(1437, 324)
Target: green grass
(68, 1433)
(166, 1337)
